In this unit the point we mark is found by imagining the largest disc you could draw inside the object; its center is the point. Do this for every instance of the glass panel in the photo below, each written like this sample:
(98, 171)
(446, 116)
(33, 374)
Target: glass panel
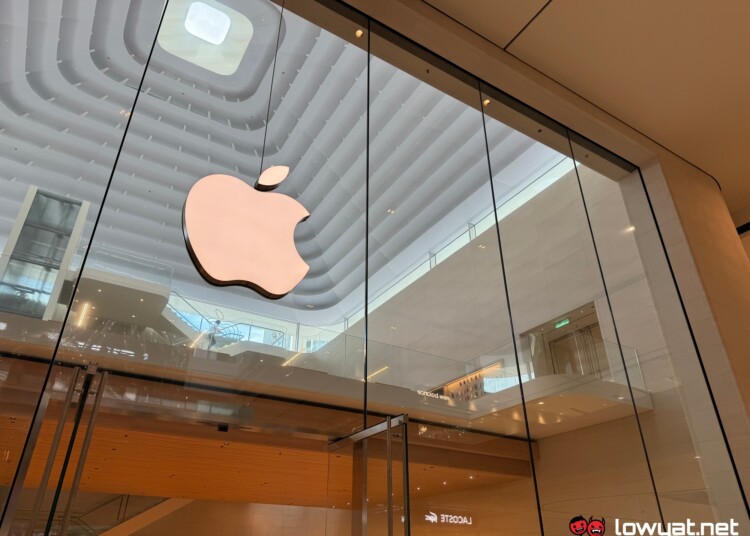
(149, 309)
(440, 345)
(366, 486)
(169, 459)
(578, 401)
(66, 92)
(143, 302)
(430, 273)
(341, 516)
(691, 466)
(469, 482)
(239, 338)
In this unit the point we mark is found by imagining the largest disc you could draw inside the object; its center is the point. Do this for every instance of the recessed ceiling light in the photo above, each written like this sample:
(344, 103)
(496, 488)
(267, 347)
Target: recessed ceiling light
(359, 33)
(207, 23)
(486, 102)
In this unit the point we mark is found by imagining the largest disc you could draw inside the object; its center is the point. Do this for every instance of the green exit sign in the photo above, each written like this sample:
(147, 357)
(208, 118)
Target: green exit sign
(561, 323)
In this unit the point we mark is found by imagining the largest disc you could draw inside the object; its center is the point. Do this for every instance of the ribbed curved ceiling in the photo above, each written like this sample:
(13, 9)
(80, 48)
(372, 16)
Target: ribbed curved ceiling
(68, 73)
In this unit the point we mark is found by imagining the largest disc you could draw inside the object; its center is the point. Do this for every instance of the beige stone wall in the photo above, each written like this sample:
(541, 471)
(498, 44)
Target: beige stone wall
(713, 274)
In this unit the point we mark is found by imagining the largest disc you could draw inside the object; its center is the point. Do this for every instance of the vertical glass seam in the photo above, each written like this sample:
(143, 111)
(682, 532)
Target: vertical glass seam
(367, 224)
(617, 333)
(510, 313)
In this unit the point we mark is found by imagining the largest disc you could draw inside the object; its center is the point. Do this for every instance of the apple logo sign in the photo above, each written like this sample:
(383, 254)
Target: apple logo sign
(240, 235)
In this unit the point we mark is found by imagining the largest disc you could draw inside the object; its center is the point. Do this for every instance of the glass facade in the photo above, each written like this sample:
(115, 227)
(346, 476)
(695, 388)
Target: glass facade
(487, 338)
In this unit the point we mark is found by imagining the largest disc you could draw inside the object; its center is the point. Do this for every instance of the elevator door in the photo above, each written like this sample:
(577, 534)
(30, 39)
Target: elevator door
(368, 482)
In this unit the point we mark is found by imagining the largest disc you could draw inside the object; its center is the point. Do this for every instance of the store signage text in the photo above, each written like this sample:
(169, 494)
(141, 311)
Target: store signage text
(448, 519)
(432, 395)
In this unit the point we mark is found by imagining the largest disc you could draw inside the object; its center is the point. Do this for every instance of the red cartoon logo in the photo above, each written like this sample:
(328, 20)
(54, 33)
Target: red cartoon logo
(596, 527)
(578, 525)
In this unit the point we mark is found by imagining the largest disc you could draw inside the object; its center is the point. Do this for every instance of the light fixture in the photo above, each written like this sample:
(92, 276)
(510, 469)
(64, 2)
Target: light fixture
(295, 356)
(82, 315)
(377, 372)
(207, 23)
(359, 33)
(486, 102)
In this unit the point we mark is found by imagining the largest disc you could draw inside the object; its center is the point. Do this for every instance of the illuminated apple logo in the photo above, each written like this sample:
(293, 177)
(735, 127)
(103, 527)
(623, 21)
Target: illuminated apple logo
(240, 235)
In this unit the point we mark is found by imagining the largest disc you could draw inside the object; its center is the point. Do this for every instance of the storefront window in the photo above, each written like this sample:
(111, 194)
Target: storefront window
(236, 232)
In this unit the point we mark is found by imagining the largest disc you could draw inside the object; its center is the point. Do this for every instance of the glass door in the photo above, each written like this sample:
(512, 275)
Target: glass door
(49, 477)
(368, 482)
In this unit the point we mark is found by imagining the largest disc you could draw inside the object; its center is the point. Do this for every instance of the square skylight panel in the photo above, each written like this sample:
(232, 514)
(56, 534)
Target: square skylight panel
(206, 33)
(207, 23)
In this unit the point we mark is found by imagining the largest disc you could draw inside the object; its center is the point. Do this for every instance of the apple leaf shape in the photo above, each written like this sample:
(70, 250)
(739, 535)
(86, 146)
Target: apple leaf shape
(271, 178)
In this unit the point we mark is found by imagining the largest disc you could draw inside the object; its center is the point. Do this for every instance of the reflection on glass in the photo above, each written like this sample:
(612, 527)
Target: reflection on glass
(144, 314)
(64, 105)
(482, 490)
(649, 320)
(539, 368)
(579, 406)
